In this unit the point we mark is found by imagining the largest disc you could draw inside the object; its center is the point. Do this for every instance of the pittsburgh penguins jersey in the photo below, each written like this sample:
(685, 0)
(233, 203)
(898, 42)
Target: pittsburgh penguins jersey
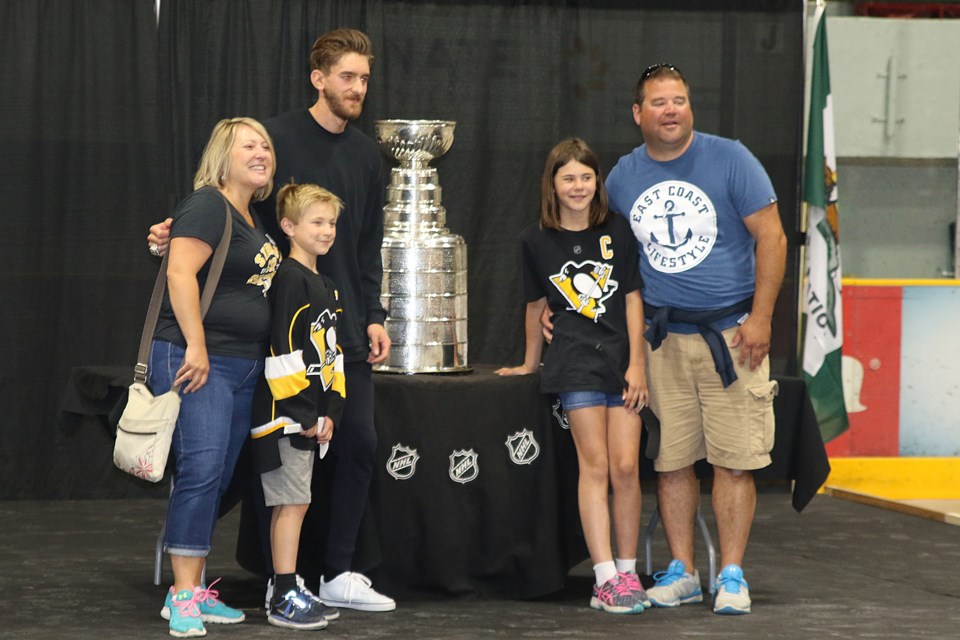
(303, 375)
(585, 276)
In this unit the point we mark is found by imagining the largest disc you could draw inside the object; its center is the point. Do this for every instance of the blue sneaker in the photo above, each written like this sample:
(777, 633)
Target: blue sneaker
(733, 592)
(184, 614)
(675, 586)
(296, 610)
(212, 610)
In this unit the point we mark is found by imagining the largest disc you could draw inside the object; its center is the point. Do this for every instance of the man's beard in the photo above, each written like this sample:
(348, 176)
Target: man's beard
(340, 109)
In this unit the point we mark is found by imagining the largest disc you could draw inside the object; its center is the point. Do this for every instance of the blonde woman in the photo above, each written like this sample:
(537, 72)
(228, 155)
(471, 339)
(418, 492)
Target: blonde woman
(218, 359)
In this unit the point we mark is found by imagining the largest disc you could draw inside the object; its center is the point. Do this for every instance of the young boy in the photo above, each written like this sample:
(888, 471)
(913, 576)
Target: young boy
(300, 399)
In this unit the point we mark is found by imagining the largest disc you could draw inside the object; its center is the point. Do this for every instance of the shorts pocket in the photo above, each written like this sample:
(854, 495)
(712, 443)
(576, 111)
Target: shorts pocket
(761, 416)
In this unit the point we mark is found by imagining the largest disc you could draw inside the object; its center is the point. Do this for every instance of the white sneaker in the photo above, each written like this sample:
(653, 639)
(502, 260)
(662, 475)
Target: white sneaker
(353, 591)
(733, 593)
(675, 586)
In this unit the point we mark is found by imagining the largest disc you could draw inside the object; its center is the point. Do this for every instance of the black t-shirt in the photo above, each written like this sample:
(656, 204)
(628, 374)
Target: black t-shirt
(238, 322)
(350, 165)
(585, 276)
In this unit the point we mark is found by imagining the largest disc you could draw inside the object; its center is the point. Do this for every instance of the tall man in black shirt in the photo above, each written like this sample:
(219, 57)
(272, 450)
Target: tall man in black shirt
(319, 145)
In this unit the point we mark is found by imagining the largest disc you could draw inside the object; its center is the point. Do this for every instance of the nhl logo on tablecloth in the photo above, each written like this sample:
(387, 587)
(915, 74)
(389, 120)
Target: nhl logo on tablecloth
(523, 447)
(403, 462)
(560, 415)
(464, 466)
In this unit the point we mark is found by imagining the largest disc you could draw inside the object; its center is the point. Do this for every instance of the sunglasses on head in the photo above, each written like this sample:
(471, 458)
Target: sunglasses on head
(652, 69)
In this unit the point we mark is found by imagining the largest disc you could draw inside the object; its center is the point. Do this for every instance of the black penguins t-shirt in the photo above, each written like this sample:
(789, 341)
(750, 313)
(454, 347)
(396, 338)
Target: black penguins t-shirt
(585, 276)
(238, 322)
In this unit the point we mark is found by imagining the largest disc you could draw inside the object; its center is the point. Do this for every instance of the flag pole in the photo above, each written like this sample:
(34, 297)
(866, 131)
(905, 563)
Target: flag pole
(956, 227)
(823, 305)
(802, 249)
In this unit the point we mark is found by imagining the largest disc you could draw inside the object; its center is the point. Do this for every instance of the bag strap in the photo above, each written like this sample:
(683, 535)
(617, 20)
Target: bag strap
(160, 286)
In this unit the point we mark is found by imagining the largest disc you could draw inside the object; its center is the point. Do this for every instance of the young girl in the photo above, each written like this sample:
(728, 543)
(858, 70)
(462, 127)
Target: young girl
(581, 261)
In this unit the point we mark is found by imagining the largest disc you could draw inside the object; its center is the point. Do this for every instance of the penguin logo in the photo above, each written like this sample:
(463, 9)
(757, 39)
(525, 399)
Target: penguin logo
(585, 286)
(323, 335)
(268, 259)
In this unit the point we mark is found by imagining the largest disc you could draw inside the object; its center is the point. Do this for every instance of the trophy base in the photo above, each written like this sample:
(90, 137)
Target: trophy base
(463, 371)
(426, 358)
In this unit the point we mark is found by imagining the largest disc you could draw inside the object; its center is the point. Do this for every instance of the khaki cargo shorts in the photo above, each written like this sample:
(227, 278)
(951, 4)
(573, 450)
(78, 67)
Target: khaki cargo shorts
(731, 428)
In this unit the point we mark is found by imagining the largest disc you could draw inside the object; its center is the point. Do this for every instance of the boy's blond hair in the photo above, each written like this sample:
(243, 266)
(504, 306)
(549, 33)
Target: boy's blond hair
(293, 199)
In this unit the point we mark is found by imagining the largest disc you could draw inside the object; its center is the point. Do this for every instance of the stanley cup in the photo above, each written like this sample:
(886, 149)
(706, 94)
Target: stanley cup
(424, 265)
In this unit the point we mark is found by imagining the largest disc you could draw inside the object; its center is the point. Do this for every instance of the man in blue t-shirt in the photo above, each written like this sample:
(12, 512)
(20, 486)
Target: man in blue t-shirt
(712, 257)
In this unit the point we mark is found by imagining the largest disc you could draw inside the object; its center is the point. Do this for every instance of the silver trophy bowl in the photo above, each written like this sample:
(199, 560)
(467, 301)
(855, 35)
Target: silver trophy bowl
(415, 142)
(424, 288)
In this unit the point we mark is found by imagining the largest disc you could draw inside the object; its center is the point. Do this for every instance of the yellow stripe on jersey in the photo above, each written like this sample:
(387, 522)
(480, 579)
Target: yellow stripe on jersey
(339, 383)
(266, 429)
(286, 375)
(293, 323)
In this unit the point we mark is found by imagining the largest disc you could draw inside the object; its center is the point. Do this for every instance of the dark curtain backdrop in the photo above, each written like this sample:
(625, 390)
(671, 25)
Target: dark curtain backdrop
(83, 169)
(111, 112)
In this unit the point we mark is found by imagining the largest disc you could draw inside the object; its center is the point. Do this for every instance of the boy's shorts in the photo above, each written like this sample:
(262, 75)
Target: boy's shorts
(290, 484)
(731, 428)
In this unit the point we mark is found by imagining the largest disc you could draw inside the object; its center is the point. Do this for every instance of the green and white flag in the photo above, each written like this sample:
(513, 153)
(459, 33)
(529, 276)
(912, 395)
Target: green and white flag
(822, 358)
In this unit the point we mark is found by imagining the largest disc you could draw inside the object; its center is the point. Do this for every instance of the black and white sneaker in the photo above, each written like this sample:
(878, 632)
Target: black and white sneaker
(295, 610)
(329, 613)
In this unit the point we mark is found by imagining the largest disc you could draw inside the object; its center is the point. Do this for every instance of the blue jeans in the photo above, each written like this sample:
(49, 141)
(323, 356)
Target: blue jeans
(212, 426)
(580, 399)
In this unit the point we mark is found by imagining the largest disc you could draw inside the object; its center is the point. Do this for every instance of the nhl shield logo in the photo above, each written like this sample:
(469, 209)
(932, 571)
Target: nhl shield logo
(464, 466)
(403, 462)
(523, 447)
(560, 415)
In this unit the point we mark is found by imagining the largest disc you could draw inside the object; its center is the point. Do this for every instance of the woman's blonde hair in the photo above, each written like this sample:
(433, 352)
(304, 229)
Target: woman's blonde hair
(293, 199)
(215, 161)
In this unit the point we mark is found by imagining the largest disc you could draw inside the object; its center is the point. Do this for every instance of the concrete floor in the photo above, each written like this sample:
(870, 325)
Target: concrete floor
(83, 569)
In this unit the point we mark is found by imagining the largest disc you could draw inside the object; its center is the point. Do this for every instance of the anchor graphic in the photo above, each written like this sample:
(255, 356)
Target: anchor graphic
(668, 208)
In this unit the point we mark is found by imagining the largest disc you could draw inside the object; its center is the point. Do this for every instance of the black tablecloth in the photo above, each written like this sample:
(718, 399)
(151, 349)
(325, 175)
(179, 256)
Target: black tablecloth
(504, 522)
(491, 504)
(798, 453)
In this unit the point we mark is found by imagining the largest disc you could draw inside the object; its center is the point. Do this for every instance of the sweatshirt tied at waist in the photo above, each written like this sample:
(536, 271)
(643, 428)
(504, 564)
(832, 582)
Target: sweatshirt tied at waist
(706, 323)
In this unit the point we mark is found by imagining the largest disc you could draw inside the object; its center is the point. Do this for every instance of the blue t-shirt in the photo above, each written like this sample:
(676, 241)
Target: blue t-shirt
(687, 214)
